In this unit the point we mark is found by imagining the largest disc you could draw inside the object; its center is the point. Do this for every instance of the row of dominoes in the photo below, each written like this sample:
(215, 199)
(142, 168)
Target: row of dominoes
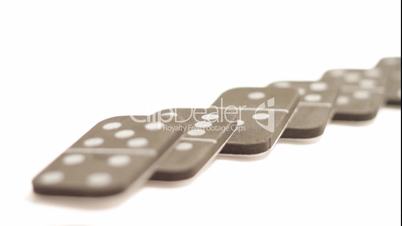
(175, 144)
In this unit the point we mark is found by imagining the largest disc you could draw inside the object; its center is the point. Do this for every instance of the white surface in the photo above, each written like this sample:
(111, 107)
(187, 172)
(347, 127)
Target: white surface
(65, 65)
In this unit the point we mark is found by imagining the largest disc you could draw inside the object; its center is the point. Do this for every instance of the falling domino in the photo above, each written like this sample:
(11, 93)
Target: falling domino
(391, 68)
(361, 93)
(206, 132)
(117, 153)
(265, 113)
(314, 110)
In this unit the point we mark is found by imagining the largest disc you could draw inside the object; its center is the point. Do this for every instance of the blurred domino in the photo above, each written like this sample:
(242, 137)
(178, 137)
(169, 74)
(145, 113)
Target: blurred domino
(265, 113)
(206, 132)
(115, 154)
(361, 93)
(314, 110)
(391, 68)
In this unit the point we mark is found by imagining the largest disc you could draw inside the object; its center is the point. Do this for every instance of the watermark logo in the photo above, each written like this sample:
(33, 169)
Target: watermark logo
(264, 115)
(173, 119)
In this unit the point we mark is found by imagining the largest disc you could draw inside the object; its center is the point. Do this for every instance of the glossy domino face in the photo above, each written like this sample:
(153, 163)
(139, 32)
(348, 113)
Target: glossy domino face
(117, 153)
(391, 68)
(361, 93)
(205, 133)
(265, 115)
(314, 110)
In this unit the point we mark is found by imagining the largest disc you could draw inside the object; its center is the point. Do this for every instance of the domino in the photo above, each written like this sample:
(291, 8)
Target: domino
(265, 113)
(314, 110)
(206, 132)
(361, 93)
(117, 153)
(391, 68)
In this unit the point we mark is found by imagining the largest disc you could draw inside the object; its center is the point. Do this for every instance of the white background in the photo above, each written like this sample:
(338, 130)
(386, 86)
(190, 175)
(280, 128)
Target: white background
(65, 65)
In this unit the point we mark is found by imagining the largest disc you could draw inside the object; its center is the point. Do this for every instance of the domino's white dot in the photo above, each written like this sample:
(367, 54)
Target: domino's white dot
(210, 117)
(99, 180)
(154, 126)
(313, 98)
(261, 116)
(256, 95)
(93, 142)
(240, 122)
(203, 124)
(138, 142)
(374, 73)
(352, 77)
(119, 160)
(343, 100)
(184, 146)
(301, 91)
(52, 177)
(124, 134)
(196, 132)
(319, 86)
(112, 126)
(73, 159)
(362, 95)
(283, 85)
(368, 84)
